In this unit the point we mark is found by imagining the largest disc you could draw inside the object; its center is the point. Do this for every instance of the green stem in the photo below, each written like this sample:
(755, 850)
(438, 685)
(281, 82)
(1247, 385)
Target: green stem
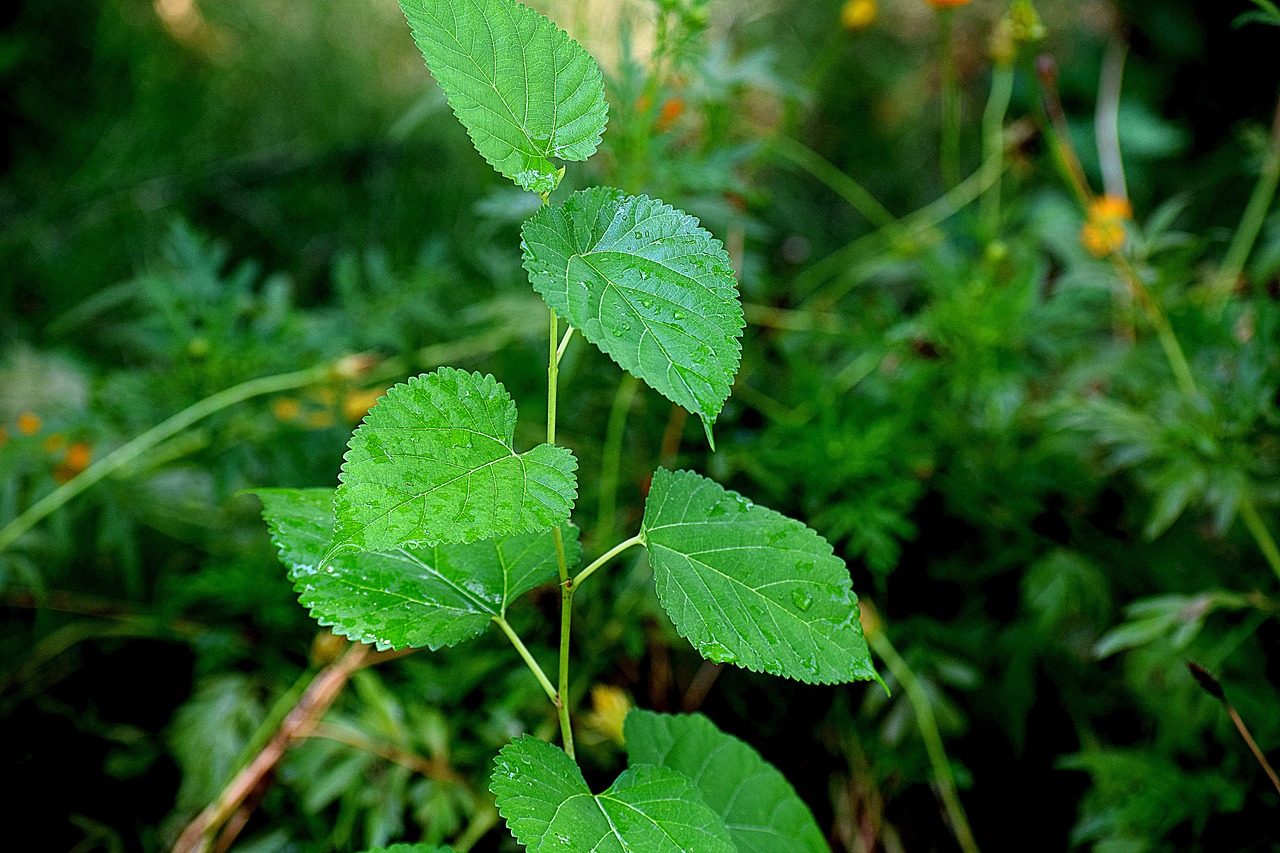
(638, 539)
(844, 186)
(611, 459)
(928, 726)
(547, 686)
(131, 450)
(564, 344)
(993, 137)
(1255, 215)
(561, 697)
(1266, 543)
(950, 101)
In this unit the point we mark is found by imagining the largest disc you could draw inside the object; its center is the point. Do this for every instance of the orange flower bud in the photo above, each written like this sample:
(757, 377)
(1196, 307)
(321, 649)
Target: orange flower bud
(29, 423)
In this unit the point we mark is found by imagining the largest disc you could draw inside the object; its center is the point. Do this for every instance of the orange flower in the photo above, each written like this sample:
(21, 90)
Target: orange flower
(78, 457)
(356, 404)
(1104, 228)
(858, 14)
(285, 408)
(671, 110)
(29, 423)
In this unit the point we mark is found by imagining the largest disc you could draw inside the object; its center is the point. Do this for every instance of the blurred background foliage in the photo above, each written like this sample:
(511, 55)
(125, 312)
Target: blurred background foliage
(1045, 521)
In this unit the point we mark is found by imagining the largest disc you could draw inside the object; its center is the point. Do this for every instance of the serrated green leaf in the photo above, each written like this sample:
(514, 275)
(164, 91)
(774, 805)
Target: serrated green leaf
(430, 597)
(759, 807)
(549, 808)
(749, 586)
(434, 462)
(648, 286)
(523, 89)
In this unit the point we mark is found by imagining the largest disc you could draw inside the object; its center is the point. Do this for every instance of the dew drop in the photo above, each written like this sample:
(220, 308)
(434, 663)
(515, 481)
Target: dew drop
(718, 653)
(802, 600)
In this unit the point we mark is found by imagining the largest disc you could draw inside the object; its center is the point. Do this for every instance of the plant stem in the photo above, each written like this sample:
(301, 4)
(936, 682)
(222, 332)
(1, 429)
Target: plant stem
(950, 101)
(547, 686)
(560, 697)
(298, 723)
(844, 186)
(564, 344)
(566, 628)
(1261, 535)
(131, 450)
(611, 458)
(928, 726)
(1255, 214)
(638, 539)
(993, 137)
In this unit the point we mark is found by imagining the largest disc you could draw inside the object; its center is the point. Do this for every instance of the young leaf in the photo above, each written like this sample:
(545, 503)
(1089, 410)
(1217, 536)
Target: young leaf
(524, 90)
(759, 807)
(549, 808)
(434, 462)
(412, 597)
(748, 586)
(648, 286)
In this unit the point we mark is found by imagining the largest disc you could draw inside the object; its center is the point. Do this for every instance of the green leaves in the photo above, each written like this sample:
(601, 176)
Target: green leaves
(548, 807)
(748, 586)
(648, 286)
(411, 597)
(759, 807)
(434, 462)
(524, 90)
(411, 848)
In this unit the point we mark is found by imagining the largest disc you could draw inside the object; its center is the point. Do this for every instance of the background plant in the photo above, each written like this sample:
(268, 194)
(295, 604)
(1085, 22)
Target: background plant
(1000, 536)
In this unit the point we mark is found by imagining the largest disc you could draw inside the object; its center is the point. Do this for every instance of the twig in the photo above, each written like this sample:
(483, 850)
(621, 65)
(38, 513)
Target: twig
(298, 723)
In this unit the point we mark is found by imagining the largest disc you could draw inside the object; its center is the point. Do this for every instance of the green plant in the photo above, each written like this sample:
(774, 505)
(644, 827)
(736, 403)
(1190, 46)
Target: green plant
(439, 525)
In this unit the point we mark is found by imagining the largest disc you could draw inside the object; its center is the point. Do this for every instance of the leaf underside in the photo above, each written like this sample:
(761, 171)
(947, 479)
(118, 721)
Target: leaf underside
(749, 586)
(648, 286)
(549, 808)
(525, 91)
(430, 596)
(758, 805)
(434, 462)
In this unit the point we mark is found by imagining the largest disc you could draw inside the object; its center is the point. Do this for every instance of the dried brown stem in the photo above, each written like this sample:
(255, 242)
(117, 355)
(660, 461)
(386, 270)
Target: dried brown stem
(298, 723)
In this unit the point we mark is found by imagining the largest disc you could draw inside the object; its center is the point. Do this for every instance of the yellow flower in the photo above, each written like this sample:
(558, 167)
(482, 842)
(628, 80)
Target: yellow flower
(858, 14)
(29, 423)
(1103, 231)
(609, 707)
(356, 404)
(870, 618)
(285, 408)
